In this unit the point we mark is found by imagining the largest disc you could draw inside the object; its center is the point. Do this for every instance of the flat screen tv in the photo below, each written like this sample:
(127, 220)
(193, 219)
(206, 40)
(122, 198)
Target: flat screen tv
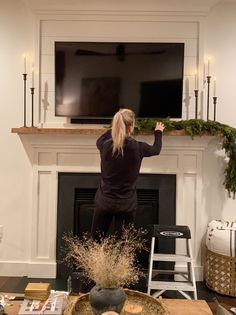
(93, 80)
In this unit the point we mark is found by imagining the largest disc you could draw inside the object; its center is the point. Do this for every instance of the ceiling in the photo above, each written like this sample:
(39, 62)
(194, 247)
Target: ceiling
(124, 5)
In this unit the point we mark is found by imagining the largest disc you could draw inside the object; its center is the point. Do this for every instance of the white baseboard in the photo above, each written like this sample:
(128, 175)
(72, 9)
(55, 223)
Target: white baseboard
(29, 269)
(42, 270)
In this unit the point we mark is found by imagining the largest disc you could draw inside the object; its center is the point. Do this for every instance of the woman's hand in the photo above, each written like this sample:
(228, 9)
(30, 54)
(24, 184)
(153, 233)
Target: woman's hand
(160, 126)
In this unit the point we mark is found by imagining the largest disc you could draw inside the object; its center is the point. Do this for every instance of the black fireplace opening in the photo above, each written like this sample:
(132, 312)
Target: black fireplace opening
(147, 211)
(76, 191)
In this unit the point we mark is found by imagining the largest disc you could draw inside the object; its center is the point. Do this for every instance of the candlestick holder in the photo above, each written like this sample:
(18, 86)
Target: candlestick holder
(214, 102)
(32, 107)
(24, 97)
(196, 103)
(208, 94)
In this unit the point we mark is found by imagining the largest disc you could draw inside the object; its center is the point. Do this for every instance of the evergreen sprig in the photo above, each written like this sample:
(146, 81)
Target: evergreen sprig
(195, 127)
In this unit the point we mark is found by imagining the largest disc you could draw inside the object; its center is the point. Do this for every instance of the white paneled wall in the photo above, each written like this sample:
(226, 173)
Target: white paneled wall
(110, 28)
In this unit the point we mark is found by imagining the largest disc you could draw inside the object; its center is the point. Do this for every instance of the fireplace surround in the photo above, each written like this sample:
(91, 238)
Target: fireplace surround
(55, 151)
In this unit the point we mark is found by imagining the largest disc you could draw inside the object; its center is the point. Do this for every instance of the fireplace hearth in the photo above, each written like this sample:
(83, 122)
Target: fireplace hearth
(156, 204)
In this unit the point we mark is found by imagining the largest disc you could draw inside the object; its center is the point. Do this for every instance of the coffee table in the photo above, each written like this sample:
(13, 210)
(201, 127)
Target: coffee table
(187, 307)
(175, 306)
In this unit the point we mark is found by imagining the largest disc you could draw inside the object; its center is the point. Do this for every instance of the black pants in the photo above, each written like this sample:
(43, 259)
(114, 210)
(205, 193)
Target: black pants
(123, 211)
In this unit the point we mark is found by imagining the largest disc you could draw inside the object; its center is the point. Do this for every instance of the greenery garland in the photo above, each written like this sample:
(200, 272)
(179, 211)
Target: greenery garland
(195, 127)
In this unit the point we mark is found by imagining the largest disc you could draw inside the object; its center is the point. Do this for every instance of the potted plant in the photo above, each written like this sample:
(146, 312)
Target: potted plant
(110, 263)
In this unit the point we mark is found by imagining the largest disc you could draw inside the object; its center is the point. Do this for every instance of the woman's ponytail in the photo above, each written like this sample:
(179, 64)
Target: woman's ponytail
(122, 125)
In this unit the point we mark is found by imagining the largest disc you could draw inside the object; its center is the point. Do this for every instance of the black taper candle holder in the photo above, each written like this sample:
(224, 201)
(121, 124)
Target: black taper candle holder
(214, 102)
(32, 106)
(196, 103)
(24, 97)
(208, 94)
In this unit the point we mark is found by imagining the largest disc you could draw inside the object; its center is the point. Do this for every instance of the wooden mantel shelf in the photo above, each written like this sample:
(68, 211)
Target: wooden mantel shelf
(57, 131)
(81, 131)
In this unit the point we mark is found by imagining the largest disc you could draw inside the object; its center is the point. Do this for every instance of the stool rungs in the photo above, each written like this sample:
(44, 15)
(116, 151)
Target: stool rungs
(176, 286)
(169, 257)
(172, 272)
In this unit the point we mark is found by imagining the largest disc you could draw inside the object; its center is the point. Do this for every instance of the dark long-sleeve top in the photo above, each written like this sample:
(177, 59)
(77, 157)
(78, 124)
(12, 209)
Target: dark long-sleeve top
(119, 172)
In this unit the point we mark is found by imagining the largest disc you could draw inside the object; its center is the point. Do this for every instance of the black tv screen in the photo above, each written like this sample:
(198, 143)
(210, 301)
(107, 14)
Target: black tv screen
(94, 80)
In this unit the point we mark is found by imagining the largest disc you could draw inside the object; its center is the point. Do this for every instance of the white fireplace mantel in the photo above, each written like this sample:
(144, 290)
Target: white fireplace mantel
(56, 151)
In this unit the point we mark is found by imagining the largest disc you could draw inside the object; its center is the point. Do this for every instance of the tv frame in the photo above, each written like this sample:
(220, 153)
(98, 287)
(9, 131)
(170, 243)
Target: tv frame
(107, 120)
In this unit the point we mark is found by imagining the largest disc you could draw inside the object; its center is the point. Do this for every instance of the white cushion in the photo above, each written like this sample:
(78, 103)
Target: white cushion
(221, 237)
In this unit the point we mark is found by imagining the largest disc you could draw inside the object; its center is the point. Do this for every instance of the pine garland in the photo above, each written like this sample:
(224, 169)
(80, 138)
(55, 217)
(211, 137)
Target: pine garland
(195, 127)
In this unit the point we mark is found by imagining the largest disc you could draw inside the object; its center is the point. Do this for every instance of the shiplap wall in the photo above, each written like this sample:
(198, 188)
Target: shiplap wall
(114, 28)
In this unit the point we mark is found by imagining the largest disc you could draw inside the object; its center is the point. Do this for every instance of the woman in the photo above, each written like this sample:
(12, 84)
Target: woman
(121, 157)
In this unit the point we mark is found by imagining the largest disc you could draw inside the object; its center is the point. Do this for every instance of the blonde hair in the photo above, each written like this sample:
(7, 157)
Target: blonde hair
(122, 126)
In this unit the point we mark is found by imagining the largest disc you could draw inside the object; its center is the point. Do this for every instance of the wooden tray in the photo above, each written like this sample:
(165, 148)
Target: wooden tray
(150, 305)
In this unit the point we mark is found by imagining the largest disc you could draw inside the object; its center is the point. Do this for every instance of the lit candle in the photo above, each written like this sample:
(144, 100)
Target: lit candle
(32, 76)
(133, 309)
(208, 66)
(24, 63)
(214, 86)
(195, 74)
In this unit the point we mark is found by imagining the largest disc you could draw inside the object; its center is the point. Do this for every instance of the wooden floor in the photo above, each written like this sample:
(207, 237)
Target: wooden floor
(18, 284)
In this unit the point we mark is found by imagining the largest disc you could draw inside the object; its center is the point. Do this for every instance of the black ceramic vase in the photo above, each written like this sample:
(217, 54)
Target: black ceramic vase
(106, 299)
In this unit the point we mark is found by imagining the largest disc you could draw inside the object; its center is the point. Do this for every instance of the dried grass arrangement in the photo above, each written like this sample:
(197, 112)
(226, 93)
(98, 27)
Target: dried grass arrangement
(109, 263)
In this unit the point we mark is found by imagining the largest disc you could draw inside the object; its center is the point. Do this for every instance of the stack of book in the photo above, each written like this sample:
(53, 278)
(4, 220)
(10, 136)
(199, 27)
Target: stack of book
(37, 291)
(54, 305)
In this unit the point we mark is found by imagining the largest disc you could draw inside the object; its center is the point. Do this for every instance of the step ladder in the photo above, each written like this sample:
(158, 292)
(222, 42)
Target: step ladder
(188, 284)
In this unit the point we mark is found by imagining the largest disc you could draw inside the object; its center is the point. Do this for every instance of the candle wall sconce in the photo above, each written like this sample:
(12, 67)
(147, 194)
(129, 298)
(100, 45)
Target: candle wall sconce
(196, 103)
(214, 103)
(24, 94)
(32, 107)
(24, 97)
(208, 94)
(206, 80)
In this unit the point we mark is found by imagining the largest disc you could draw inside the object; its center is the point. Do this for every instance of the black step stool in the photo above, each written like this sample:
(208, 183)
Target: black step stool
(188, 284)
